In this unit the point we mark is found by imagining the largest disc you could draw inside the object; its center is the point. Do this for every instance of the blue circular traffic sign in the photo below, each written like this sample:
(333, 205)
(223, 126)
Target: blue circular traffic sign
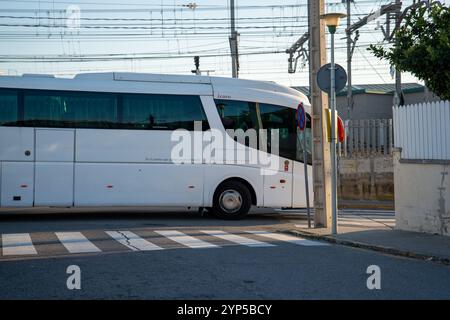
(301, 117)
(324, 78)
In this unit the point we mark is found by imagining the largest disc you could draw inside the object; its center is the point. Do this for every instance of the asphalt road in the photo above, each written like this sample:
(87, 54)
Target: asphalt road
(134, 254)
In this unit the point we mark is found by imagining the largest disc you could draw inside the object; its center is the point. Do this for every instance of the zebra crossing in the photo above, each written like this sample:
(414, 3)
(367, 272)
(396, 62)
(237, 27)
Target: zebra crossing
(98, 241)
(363, 219)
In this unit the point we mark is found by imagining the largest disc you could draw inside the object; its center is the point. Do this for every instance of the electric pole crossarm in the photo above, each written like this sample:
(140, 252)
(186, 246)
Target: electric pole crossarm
(402, 16)
(297, 47)
(394, 7)
(298, 44)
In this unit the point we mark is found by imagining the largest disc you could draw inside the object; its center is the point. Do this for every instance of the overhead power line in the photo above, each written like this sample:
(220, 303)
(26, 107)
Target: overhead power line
(83, 59)
(143, 27)
(126, 7)
(127, 56)
(226, 19)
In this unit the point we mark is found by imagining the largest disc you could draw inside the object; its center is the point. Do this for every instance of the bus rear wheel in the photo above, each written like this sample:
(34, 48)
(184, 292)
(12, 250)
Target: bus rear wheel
(232, 201)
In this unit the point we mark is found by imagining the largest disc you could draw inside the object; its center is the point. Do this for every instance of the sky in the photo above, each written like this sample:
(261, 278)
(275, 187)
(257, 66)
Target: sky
(163, 36)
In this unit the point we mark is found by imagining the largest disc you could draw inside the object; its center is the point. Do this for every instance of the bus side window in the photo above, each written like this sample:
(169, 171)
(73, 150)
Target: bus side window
(162, 112)
(97, 110)
(8, 107)
(45, 108)
(237, 114)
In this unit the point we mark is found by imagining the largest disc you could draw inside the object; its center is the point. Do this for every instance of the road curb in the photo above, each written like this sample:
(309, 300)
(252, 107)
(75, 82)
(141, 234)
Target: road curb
(362, 245)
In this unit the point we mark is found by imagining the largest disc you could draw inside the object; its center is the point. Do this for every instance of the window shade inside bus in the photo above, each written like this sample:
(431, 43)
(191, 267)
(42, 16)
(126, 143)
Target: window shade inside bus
(71, 109)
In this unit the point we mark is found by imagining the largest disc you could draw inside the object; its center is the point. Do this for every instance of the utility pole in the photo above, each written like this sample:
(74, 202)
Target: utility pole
(398, 75)
(388, 10)
(399, 15)
(319, 101)
(349, 62)
(234, 42)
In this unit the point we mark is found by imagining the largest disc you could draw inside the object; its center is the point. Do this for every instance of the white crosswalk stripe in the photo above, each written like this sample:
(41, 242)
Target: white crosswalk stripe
(288, 238)
(16, 244)
(76, 242)
(360, 221)
(185, 239)
(237, 239)
(132, 241)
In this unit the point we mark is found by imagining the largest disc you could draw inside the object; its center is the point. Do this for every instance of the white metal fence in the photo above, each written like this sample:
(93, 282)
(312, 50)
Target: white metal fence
(423, 130)
(366, 137)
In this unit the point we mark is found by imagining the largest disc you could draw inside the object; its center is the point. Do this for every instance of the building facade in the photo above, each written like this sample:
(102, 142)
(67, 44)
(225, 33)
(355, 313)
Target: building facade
(374, 101)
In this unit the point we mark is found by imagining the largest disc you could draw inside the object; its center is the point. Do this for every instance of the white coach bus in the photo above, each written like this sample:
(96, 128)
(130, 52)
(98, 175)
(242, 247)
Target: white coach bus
(106, 139)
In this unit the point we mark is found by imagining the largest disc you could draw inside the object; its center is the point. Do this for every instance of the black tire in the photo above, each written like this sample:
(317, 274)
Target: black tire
(232, 201)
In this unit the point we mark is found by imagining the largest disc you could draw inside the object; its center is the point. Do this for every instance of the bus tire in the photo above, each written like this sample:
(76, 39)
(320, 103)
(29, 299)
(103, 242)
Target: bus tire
(232, 201)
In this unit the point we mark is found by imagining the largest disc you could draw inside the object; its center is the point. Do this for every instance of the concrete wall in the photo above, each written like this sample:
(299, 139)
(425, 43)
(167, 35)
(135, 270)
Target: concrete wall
(366, 178)
(420, 97)
(377, 106)
(422, 195)
(366, 106)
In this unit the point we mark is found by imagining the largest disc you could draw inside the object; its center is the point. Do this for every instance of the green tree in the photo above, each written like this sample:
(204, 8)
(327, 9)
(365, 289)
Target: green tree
(422, 47)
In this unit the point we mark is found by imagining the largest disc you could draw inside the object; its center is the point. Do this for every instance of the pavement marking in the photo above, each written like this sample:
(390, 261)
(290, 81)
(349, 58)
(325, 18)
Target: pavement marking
(287, 238)
(365, 222)
(184, 239)
(15, 244)
(21, 244)
(237, 239)
(359, 222)
(76, 242)
(362, 221)
(132, 241)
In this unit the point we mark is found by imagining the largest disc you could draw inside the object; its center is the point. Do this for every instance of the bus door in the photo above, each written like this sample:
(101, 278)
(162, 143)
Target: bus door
(54, 167)
(299, 189)
(278, 185)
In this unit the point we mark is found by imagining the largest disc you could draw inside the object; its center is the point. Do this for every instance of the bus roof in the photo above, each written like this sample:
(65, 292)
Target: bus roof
(219, 87)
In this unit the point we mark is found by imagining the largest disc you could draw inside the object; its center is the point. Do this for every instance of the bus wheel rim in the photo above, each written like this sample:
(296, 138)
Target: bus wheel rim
(230, 201)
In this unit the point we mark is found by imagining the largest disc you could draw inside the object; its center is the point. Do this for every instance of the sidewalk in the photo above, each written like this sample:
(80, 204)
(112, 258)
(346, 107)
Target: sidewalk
(380, 236)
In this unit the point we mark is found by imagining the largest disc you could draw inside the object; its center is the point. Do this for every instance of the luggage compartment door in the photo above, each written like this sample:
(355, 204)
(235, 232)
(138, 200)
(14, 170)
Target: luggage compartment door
(17, 184)
(54, 167)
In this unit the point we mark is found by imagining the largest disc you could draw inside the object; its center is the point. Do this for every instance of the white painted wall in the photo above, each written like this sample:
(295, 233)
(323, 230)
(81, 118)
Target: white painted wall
(422, 196)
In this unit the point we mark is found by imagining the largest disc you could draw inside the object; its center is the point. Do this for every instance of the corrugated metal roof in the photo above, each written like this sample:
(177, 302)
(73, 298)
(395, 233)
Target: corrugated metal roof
(385, 88)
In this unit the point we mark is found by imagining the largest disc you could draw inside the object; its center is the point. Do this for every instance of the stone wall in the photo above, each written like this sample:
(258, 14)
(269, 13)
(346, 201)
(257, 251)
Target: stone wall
(366, 178)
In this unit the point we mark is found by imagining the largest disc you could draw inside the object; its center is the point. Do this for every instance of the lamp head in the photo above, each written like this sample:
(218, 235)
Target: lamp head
(332, 20)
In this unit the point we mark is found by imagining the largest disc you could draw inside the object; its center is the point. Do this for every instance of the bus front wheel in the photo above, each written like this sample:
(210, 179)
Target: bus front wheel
(232, 201)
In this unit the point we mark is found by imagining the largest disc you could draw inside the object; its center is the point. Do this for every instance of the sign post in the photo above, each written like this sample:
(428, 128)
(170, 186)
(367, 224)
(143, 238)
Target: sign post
(332, 78)
(301, 124)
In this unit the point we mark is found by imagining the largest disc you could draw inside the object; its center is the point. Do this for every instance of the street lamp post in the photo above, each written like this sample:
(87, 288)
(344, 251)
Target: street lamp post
(332, 21)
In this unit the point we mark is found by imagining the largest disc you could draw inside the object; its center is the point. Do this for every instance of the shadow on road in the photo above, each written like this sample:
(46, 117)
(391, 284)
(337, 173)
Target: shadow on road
(126, 217)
